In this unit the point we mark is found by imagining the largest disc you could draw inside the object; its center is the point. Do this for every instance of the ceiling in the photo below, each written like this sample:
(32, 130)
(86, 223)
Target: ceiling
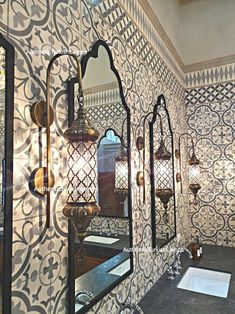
(200, 31)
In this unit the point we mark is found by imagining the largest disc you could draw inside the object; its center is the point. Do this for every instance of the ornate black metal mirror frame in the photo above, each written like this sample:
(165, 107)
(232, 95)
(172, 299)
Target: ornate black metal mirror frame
(8, 174)
(161, 102)
(71, 92)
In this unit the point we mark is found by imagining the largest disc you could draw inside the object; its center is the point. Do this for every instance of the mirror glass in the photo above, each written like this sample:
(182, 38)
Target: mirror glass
(2, 159)
(162, 176)
(106, 260)
(111, 201)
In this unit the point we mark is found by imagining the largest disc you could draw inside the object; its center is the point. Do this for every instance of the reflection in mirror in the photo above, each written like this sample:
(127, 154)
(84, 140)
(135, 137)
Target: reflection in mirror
(112, 176)
(2, 157)
(162, 176)
(106, 260)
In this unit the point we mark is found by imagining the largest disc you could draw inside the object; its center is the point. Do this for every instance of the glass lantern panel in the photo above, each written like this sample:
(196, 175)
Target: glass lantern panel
(194, 174)
(121, 175)
(163, 174)
(82, 172)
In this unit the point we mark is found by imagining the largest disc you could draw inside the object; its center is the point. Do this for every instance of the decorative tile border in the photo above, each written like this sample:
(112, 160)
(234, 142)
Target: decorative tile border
(219, 74)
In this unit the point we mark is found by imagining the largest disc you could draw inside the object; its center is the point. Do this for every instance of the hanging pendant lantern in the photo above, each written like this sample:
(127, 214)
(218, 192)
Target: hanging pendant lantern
(163, 177)
(81, 204)
(194, 174)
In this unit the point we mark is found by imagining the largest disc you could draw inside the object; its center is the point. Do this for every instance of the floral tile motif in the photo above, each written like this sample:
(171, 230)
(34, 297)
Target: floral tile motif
(27, 139)
(64, 39)
(39, 251)
(4, 15)
(31, 242)
(110, 225)
(59, 78)
(210, 119)
(29, 22)
(29, 297)
(30, 73)
(69, 12)
(25, 203)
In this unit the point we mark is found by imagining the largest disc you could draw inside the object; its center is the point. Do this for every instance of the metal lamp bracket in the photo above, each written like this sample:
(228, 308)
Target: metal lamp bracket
(178, 174)
(38, 180)
(38, 114)
(42, 179)
(140, 178)
(178, 157)
(140, 144)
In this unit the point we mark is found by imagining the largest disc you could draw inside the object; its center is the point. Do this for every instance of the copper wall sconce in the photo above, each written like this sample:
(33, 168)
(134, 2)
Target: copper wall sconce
(194, 167)
(81, 139)
(162, 164)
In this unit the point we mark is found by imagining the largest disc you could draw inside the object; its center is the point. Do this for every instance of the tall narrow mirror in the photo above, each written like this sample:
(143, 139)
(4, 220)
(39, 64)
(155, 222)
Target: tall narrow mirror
(112, 182)
(103, 260)
(6, 161)
(162, 176)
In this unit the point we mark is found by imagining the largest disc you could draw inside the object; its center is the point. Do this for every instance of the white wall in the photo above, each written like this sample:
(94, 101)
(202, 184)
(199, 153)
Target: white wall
(168, 13)
(208, 30)
(200, 30)
(98, 71)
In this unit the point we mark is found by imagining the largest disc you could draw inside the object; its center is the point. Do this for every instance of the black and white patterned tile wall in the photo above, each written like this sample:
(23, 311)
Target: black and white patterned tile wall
(211, 121)
(39, 272)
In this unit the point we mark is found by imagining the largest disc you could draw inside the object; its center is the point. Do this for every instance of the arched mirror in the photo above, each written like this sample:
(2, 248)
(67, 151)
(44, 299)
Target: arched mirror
(103, 261)
(6, 171)
(162, 176)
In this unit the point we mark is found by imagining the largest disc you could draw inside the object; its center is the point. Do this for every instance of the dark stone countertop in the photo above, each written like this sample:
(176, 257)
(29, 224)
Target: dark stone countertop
(105, 250)
(98, 279)
(165, 298)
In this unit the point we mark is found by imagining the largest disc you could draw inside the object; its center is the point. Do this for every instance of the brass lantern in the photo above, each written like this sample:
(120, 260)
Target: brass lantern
(81, 204)
(121, 175)
(194, 168)
(81, 139)
(194, 174)
(163, 176)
